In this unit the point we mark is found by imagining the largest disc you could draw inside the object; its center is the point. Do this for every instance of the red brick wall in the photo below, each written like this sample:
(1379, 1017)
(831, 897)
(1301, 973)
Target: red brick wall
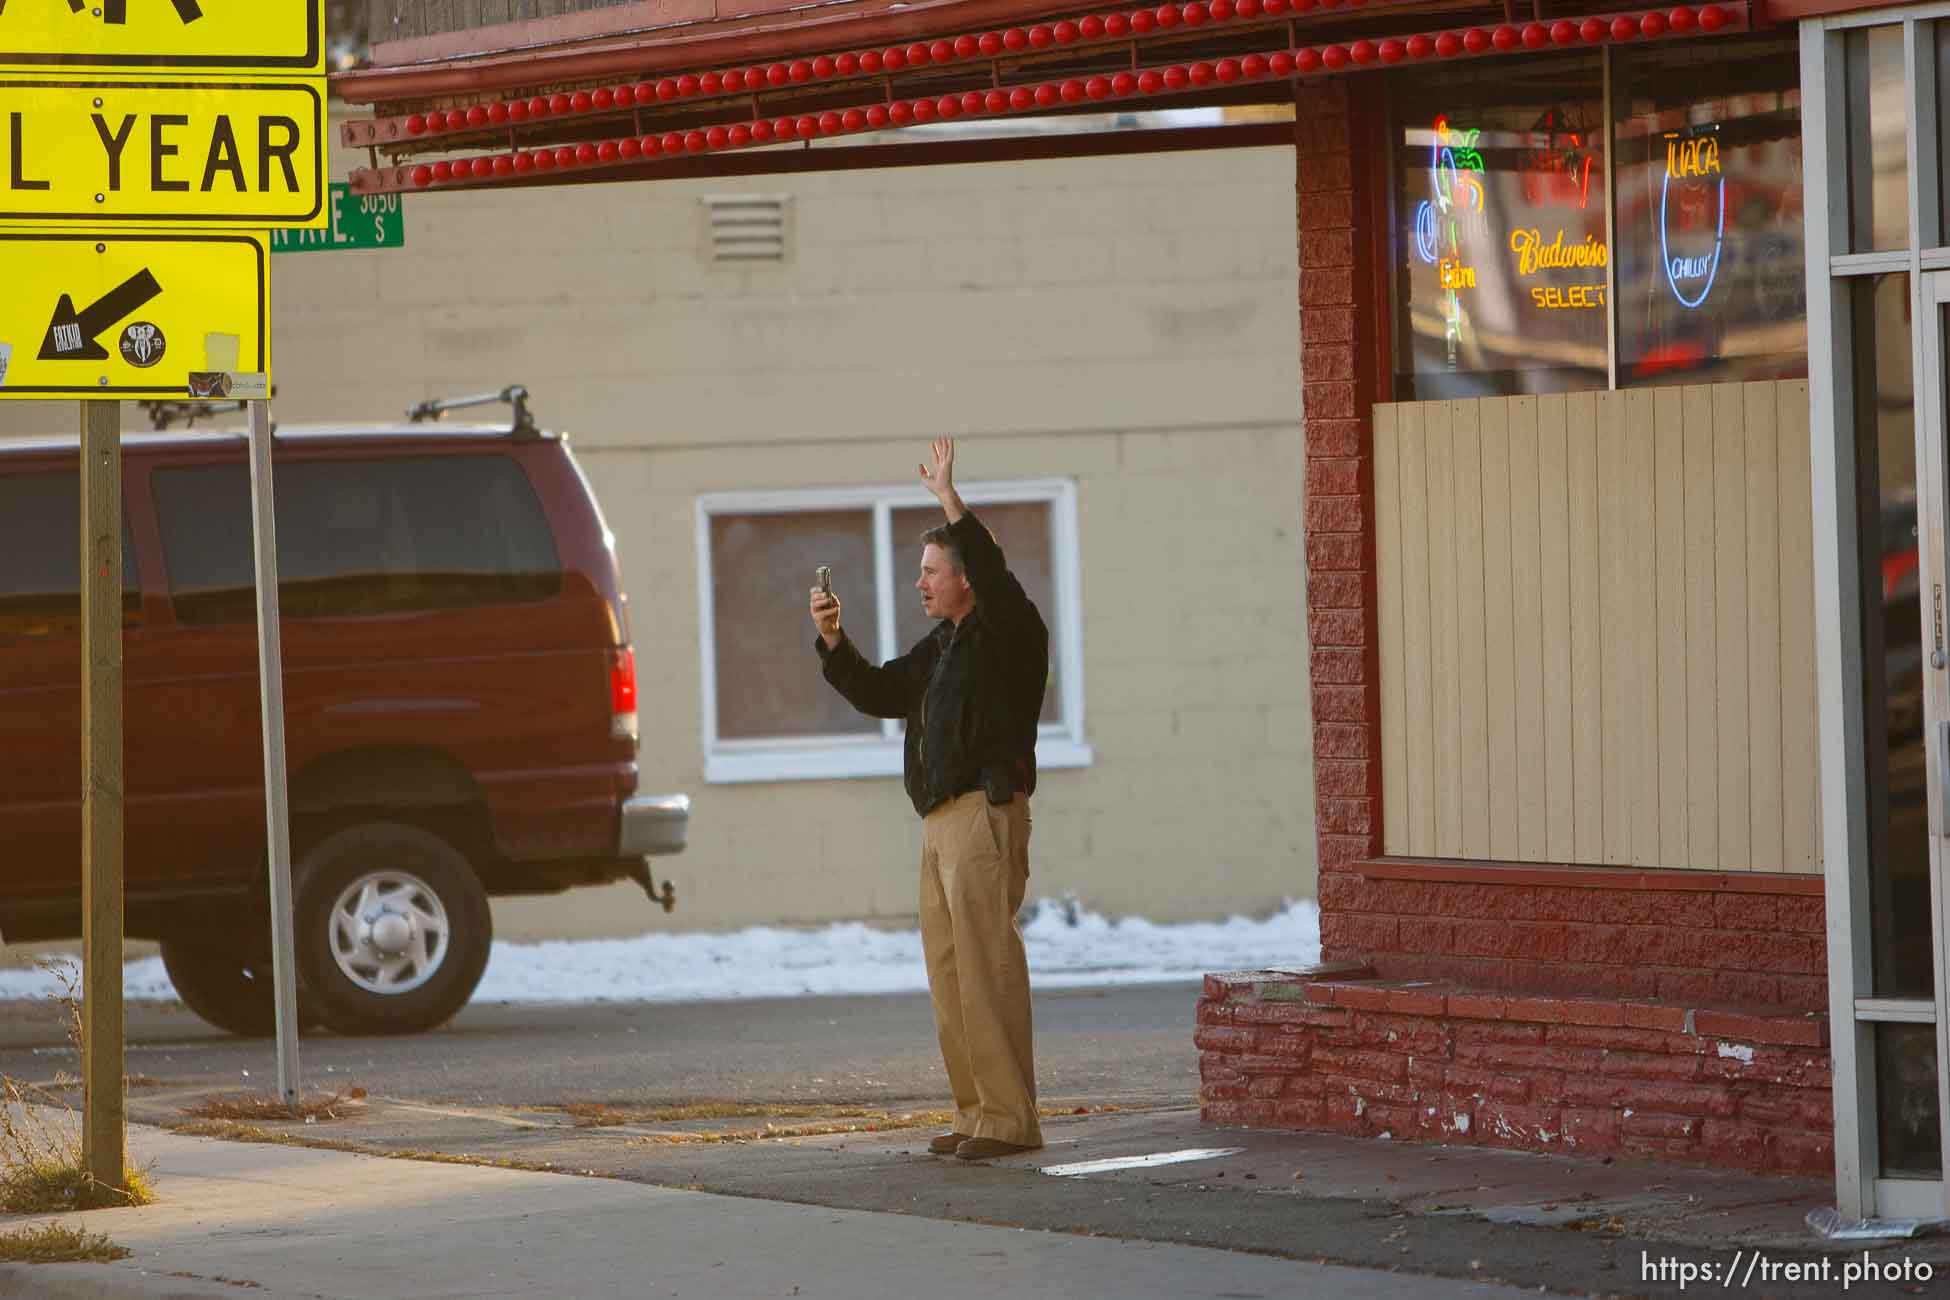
(1542, 1074)
(1340, 199)
(1697, 938)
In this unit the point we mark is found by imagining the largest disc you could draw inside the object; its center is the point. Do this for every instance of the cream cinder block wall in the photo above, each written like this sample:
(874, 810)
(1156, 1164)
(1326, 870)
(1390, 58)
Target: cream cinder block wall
(1127, 323)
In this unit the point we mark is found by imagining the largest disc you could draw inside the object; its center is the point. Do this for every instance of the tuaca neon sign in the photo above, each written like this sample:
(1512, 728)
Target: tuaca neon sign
(1692, 159)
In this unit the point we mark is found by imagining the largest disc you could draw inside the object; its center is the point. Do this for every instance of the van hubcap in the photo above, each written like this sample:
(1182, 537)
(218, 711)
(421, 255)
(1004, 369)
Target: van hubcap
(389, 932)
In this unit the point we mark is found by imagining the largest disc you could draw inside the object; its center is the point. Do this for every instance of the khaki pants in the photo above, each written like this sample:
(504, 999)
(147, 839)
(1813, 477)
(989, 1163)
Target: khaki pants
(974, 868)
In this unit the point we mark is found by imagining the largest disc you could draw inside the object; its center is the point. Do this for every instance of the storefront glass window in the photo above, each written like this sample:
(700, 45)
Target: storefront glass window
(1907, 1121)
(1892, 637)
(1500, 227)
(1710, 277)
(1878, 141)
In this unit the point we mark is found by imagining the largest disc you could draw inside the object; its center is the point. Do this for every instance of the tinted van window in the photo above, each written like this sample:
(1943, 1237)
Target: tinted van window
(40, 557)
(358, 537)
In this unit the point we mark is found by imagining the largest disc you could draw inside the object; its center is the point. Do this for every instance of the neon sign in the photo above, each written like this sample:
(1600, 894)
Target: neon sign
(1568, 297)
(1692, 158)
(1534, 255)
(1454, 165)
(1557, 175)
(1455, 275)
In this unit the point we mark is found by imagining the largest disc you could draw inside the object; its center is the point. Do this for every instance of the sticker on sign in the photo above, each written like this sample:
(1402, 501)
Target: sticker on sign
(102, 150)
(273, 36)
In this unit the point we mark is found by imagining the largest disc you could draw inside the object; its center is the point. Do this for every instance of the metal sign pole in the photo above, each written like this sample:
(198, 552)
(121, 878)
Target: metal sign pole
(277, 823)
(102, 1133)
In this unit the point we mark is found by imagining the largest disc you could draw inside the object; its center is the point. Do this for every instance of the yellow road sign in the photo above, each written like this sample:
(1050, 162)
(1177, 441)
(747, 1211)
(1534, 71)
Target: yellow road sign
(149, 152)
(131, 314)
(283, 36)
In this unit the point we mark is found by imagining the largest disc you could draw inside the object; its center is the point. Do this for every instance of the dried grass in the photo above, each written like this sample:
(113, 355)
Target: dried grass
(57, 1243)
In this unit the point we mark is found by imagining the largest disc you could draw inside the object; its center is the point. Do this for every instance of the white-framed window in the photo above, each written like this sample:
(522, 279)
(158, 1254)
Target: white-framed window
(768, 713)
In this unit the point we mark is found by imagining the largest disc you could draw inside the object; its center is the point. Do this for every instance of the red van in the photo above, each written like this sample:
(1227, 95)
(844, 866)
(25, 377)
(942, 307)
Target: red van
(460, 701)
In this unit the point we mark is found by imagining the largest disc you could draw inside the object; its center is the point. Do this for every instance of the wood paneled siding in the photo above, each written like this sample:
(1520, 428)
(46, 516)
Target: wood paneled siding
(1596, 624)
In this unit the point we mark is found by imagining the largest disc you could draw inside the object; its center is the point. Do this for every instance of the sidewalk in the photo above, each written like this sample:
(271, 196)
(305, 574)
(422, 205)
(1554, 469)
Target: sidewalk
(237, 1219)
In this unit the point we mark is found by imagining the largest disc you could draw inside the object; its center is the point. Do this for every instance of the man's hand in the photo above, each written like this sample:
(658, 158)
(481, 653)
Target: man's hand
(941, 479)
(826, 617)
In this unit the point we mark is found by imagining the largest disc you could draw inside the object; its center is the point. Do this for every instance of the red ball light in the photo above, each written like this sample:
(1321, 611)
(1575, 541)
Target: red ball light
(565, 157)
(877, 116)
(1091, 28)
(1306, 61)
(603, 98)
(844, 65)
(666, 89)
(1281, 64)
(1022, 99)
(686, 86)
(1246, 8)
(1623, 29)
(830, 123)
(1071, 90)
(1041, 37)
(1047, 95)
(497, 114)
(824, 65)
(651, 146)
(1506, 38)
(581, 102)
(1712, 18)
(518, 111)
(523, 164)
(893, 58)
(1274, 8)
(1392, 51)
(1200, 73)
(423, 175)
(717, 138)
(1143, 20)
(995, 102)
(477, 116)
(1097, 88)
(673, 142)
(1218, 10)
(1193, 14)
(1362, 52)
(544, 160)
(1150, 82)
(1564, 32)
(784, 129)
(1683, 19)
(1420, 47)
(1167, 15)
(1015, 38)
(1476, 40)
(941, 52)
(947, 107)
(416, 124)
(854, 119)
(1593, 30)
(989, 43)
(1176, 78)
(925, 110)
(1653, 24)
(973, 101)
(900, 112)
(965, 46)
(1334, 58)
(481, 167)
(869, 61)
(801, 71)
(1536, 36)
(739, 136)
(696, 142)
(711, 83)
(606, 151)
(646, 92)
(761, 130)
(1227, 70)
(585, 154)
(630, 149)
(917, 55)
(1124, 83)
(456, 119)
(446, 170)
(502, 165)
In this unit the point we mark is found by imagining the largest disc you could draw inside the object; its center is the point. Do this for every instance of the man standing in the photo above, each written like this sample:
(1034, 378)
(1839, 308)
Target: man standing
(971, 691)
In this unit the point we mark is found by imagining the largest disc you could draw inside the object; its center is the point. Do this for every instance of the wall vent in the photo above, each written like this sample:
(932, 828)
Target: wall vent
(747, 227)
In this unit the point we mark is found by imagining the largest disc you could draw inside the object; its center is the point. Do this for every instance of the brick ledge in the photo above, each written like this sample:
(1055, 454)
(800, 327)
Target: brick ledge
(1478, 872)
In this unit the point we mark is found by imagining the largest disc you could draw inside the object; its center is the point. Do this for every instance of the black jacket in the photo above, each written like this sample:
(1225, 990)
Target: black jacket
(981, 683)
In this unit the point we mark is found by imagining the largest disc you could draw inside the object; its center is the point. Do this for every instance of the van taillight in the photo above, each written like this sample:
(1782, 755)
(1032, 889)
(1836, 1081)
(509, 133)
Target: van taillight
(622, 693)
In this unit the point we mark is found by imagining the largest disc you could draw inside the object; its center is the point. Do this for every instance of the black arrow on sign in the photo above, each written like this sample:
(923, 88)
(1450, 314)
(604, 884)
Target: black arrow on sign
(117, 11)
(71, 334)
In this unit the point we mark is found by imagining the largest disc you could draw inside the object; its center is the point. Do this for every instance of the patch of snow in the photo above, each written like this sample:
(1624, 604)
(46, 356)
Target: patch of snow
(1462, 1122)
(1737, 1052)
(1068, 947)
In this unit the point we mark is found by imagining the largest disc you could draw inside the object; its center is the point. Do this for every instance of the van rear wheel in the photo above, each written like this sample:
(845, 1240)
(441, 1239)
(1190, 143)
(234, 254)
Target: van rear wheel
(393, 929)
(216, 985)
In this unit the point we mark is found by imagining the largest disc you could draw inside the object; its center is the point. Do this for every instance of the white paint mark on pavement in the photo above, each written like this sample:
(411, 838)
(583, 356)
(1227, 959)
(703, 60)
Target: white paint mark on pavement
(1140, 1162)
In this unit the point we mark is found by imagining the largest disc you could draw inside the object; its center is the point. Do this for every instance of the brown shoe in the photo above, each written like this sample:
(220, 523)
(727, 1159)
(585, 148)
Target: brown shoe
(988, 1149)
(946, 1144)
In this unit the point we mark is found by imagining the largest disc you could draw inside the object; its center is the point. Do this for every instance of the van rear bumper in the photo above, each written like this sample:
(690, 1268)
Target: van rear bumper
(655, 824)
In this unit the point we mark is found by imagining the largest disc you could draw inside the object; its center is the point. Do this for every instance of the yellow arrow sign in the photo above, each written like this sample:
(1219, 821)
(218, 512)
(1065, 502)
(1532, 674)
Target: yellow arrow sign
(130, 315)
(283, 36)
(244, 153)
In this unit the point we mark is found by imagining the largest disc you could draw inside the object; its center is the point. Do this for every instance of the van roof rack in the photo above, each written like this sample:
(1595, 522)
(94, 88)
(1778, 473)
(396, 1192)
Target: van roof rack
(515, 395)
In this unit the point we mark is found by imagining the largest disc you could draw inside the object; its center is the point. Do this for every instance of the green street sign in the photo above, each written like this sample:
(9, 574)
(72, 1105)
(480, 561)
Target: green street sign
(357, 221)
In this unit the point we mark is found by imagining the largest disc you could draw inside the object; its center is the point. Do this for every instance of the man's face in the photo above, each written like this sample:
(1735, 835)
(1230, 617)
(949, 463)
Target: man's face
(944, 593)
